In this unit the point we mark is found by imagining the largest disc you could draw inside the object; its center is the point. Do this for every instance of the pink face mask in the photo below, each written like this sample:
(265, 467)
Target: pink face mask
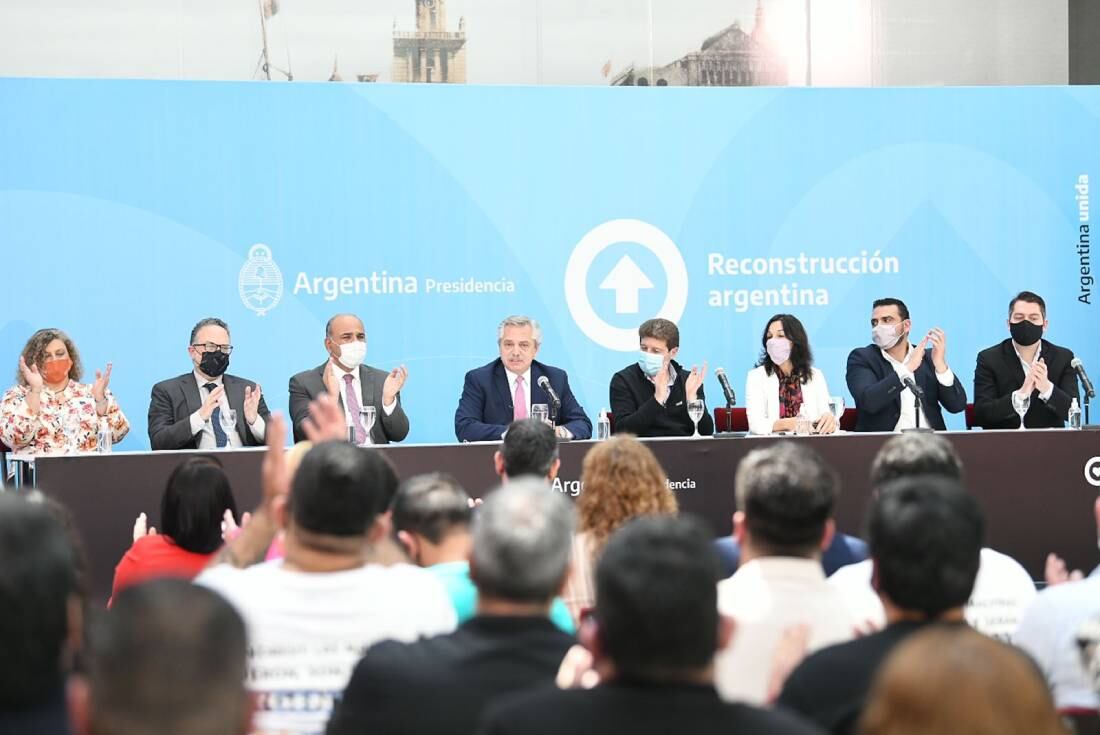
(779, 349)
(55, 371)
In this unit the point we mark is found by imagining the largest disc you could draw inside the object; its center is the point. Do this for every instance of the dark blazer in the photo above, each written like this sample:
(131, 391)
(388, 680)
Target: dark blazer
(638, 709)
(875, 387)
(637, 412)
(443, 684)
(308, 384)
(174, 400)
(999, 373)
(485, 408)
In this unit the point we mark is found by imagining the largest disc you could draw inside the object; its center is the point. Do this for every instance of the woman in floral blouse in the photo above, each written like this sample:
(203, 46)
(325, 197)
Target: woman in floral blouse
(48, 411)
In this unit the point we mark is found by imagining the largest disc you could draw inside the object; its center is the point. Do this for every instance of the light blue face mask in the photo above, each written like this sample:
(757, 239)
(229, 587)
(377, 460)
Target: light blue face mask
(650, 363)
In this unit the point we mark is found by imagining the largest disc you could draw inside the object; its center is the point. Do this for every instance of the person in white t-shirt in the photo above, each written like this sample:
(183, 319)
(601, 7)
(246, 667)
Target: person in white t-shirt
(785, 499)
(312, 614)
(1003, 588)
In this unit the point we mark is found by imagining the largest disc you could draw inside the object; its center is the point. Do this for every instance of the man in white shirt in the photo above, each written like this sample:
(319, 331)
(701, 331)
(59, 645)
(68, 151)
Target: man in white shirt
(207, 408)
(785, 499)
(359, 388)
(312, 614)
(883, 375)
(1003, 588)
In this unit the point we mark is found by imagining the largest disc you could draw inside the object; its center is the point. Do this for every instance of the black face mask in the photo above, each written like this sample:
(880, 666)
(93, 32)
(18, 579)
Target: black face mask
(1025, 333)
(214, 363)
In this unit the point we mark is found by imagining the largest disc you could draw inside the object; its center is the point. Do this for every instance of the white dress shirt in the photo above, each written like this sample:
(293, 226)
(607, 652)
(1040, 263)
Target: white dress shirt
(208, 440)
(765, 597)
(1045, 395)
(338, 374)
(908, 418)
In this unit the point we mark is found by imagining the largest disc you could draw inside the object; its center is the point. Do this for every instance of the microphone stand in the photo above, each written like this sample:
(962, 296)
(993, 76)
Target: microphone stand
(917, 428)
(729, 416)
(555, 406)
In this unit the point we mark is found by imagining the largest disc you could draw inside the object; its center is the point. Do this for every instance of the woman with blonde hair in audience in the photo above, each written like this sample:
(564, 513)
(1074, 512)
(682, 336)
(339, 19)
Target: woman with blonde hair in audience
(620, 480)
(952, 679)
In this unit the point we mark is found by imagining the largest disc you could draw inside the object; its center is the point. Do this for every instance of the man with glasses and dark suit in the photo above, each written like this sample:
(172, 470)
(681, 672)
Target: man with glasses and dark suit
(207, 408)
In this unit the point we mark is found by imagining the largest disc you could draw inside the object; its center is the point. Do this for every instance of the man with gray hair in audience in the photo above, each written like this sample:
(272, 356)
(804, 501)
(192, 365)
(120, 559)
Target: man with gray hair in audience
(506, 389)
(519, 561)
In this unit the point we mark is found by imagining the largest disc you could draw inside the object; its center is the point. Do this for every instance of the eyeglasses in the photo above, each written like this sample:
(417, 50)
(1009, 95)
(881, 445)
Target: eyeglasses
(211, 347)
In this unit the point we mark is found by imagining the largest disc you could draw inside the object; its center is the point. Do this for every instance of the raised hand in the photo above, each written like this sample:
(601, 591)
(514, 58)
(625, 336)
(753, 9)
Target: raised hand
(916, 356)
(252, 403)
(99, 387)
(326, 421)
(139, 528)
(660, 383)
(394, 382)
(694, 380)
(331, 384)
(212, 401)
(31, 375)
(1056, 571)
(939, 349)
(1039, 371)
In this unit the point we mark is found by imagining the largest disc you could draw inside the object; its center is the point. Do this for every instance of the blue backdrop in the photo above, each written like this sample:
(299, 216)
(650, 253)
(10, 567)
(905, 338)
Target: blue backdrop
(129, 209)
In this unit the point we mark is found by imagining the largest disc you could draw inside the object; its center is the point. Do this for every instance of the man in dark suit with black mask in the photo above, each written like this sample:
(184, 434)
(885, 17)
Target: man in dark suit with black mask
(1026, 365)
(194, 410)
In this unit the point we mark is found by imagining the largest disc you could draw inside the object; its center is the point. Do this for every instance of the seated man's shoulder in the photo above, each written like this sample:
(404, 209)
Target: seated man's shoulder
(758, 721)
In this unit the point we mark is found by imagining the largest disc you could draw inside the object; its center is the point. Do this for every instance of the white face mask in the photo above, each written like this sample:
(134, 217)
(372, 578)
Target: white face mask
(352, 354)
(885, 336)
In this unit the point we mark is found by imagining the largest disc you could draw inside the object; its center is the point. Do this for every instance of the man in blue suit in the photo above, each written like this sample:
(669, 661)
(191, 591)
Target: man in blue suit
(503, 391)
(877, 374)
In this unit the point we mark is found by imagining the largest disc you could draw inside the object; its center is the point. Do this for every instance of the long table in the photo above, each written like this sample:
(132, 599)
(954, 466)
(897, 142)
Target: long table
(1037, 487)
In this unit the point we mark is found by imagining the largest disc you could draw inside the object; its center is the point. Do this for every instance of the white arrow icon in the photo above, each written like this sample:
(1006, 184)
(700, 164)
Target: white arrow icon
(626, 279)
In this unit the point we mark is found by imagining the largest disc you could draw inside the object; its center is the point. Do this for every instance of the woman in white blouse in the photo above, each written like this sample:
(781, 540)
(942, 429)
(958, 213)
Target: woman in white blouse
(784, 382)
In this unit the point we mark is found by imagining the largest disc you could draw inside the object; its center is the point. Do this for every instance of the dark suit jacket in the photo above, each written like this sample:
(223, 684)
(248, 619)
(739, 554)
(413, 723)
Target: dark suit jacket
(875, 387)
(308, 384)
(637, 412)
(999, 374)
(485, 408)
(174, 400)
(638, 709)
(443, 684)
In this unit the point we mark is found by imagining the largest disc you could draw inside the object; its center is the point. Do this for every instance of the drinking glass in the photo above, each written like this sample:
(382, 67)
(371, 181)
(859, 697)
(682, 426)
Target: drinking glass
(367, 416)
(541, 412)
(695, 412)
(836, 407)
(1020, 404)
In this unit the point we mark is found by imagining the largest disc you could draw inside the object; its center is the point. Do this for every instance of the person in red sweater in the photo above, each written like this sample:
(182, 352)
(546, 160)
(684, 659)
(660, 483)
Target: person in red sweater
(192, 508)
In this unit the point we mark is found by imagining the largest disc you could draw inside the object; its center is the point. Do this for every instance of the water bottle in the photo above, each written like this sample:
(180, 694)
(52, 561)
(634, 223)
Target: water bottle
(603, 425)
(1074, 415)
(103, 438)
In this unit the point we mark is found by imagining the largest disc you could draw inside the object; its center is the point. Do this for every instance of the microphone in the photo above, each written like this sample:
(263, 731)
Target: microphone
(912, 385)
(544, 383)
(1079, 366)
(731, 398)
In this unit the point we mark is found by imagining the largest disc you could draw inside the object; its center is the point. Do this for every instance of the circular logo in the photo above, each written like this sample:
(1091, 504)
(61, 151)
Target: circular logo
(1092, 472)
(596, 241)
(260, 283)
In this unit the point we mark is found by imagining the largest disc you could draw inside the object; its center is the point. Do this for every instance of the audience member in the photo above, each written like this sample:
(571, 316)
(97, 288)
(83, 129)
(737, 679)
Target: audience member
(1003, 588)
(785, 499)
(529, 448)
(620, 480)
(653, 637)
(925, 535)
(952, 679)
(169, 659)
(41, 618)
(1048, 632)
(521, 542)
(431, 518)
(192, 510)
(312, 614)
